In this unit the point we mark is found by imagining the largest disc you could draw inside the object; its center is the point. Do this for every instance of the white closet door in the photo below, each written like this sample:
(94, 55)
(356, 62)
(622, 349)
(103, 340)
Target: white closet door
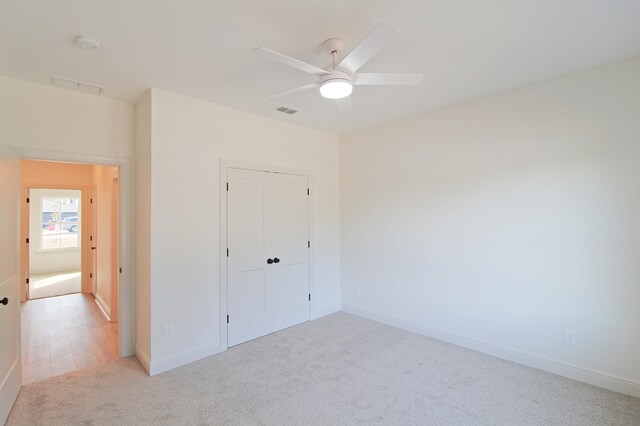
(288, 232)
(246, 263)
(268, 262)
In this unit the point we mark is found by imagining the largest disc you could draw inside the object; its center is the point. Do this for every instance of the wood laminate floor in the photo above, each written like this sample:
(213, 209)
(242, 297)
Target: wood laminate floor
(63, 334)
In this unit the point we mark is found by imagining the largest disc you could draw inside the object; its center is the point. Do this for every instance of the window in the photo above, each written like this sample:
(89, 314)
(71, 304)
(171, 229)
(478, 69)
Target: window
(60, 223)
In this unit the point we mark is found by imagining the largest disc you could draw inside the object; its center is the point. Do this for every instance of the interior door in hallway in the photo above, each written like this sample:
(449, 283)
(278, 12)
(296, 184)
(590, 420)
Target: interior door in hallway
(10, 366)
(268, 259)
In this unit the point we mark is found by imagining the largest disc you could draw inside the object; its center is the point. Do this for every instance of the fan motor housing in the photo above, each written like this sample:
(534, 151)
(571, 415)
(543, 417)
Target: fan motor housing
(335, 75)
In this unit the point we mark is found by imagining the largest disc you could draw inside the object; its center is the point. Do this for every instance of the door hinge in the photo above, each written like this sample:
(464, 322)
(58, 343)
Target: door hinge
(90, 274)
(309, 296)
(120, 269)
(227, 186)
(307, 191)
(90, 237)
(28, 200)
(227, 252)
(227, 319)
(309, 244)
(27, 240)
(27, 280)
(90, 200)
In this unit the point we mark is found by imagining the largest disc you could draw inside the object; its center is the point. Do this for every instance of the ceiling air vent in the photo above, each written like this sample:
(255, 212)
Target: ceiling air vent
(72, 84)
(286, 110)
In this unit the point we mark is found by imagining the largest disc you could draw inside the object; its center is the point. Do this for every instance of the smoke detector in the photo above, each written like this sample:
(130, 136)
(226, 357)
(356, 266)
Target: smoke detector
(87, 42)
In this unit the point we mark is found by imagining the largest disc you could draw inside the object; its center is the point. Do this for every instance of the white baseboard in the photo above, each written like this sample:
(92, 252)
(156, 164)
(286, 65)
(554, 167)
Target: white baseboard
(144, 360)
(328, 310)
(596, 378)
(9, 389)
(103, 307)
(157, 367)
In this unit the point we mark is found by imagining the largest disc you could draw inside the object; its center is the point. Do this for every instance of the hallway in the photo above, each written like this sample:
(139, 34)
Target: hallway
(63, 334)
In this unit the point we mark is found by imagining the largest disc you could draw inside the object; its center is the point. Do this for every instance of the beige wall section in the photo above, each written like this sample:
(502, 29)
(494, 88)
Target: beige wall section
(143, 229)
(504, 220)
(106, 242)
(189, 137)
(43, 173)
(46, 174)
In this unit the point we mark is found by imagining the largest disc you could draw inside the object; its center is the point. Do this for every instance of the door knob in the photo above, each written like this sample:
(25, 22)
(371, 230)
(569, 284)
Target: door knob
(276, 260)
(4, 301)
(93, 248)
(269, 261)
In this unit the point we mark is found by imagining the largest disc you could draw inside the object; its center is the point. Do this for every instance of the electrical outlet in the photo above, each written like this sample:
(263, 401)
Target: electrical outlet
(358, 290)
(569, 336)
(169, 331)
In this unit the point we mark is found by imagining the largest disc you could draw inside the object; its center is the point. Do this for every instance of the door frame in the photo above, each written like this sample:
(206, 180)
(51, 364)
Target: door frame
(92, 259)
(225, 165)
(126, 294)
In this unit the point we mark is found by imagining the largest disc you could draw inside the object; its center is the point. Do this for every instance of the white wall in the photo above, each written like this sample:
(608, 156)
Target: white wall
(189, 137)
(44, 122)
(506, 220)
(40, 117)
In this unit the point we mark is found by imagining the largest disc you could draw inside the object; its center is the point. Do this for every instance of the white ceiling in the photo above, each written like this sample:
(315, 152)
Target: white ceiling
(202, 49)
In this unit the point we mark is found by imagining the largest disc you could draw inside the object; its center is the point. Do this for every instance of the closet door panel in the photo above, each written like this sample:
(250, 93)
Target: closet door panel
(268, 262)
(247, 275)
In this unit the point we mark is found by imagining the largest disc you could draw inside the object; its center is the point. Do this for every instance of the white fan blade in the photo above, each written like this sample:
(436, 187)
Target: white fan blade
(292, 62)
(292, 91)
(344, 104)
(387, 79)
(374, 42)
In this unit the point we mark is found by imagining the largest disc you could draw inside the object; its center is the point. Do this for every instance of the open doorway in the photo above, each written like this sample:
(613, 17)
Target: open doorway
(69, 267)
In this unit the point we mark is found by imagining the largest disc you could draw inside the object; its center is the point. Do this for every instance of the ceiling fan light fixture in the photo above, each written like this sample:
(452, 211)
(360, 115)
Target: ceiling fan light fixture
(336, 88)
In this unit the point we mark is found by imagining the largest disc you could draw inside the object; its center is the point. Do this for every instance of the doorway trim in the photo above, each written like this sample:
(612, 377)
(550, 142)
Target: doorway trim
(225, 165)
(126, 296)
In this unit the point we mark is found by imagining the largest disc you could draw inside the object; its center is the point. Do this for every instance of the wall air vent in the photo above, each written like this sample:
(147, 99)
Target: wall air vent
(72, 84)
(286, 110)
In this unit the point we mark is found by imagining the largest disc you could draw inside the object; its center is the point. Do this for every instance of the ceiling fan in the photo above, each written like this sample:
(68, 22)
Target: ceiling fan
(336, 80)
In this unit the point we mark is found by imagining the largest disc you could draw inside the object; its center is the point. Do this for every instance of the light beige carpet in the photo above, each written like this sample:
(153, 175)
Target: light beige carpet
(54, 284)
(338, 370)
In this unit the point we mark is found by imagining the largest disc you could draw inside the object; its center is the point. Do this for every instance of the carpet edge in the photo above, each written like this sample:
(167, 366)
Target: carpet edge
(581, 374)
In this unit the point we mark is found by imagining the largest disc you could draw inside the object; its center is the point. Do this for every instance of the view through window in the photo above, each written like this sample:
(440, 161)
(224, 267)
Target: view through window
(60, 222)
